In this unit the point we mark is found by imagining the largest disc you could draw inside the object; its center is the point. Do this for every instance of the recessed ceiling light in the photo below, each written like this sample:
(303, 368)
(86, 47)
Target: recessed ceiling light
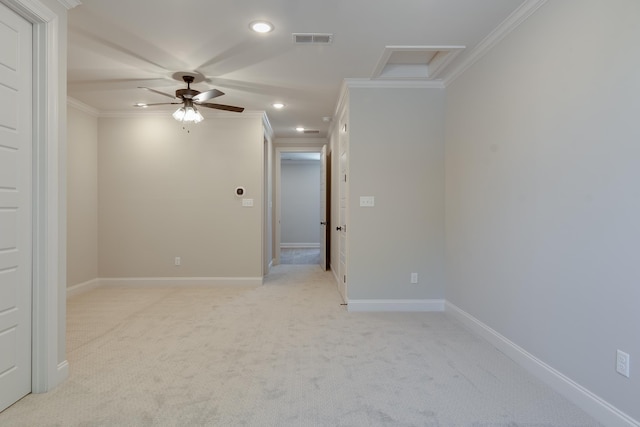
(261, 26)
(141, 105)
(300, 129)
(278, 105)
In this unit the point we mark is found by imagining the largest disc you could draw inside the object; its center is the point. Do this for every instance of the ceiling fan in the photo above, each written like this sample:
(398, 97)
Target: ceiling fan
(189, 98)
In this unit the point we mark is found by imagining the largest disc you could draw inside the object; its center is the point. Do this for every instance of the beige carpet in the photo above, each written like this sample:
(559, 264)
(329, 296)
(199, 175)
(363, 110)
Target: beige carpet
(284, 354)
(300, 256)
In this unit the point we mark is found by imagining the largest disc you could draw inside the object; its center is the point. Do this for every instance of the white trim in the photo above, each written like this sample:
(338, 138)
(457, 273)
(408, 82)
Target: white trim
(395, 305)
(268, 129)
(443, 56)
(78, 105)
(63, 369)
(299, 245)
(500, 32)
(583, 398)
(279, 149)
(49, 245)
(181, 281)
(32, 10)
(83, 287)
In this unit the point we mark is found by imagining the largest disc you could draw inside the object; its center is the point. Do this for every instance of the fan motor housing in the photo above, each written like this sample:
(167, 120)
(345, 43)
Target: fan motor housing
(186, 93)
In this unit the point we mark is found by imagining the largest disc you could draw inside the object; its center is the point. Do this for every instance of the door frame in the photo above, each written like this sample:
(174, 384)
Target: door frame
(49, 366)
(277, 158)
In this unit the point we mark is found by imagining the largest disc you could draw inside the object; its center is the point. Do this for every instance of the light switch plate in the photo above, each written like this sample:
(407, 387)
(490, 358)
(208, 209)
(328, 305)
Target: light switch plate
(247, 203)
(367, 201)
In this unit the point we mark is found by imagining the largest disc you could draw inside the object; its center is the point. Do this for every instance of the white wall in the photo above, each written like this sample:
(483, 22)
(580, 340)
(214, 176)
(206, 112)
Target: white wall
(396, 154)
(167, 193)
(82, 196)
(300, 203)
(542, 194)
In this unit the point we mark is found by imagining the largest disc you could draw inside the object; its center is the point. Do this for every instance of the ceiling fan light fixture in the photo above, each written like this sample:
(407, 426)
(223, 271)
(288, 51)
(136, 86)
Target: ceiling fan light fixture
(179, 114)
(188, 114)
(261, 26)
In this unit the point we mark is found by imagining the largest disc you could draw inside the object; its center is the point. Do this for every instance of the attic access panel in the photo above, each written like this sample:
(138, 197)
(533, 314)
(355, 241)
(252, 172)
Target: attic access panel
(414, 62)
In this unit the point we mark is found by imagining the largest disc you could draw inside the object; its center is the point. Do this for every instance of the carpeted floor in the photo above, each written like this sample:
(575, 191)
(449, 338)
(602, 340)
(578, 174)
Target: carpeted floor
(283, 354)
(300, 256)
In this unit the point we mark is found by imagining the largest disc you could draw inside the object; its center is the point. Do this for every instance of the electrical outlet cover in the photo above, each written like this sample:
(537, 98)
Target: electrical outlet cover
(622, 363)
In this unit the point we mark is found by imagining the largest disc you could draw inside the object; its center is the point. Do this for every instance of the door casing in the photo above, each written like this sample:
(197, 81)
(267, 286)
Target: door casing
(277, 193)
(49, 366)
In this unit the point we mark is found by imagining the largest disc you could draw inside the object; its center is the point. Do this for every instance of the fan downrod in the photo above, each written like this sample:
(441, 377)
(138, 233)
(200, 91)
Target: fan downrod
(188, 80)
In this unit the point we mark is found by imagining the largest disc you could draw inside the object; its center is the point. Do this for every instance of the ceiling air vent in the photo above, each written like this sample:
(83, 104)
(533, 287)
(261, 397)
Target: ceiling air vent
(311, 131)
(312, 38)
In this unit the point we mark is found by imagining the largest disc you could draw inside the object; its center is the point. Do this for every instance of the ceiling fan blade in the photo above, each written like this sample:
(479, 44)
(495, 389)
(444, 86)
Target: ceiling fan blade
(157, 91)
(157, 103)
(224, 107)
(205, 96)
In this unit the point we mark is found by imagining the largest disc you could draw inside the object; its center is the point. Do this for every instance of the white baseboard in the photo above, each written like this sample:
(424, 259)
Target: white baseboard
(398, 305)
(181, 281)
(598, 408)
(299, 245)
(60, 375)
(81, 288)
(63, 371)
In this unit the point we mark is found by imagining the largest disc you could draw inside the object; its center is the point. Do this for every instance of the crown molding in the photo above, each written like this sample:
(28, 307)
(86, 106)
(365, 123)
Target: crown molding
(32, 9)
(79, 105)
(70, 4)
(514, 20)
(268, 129)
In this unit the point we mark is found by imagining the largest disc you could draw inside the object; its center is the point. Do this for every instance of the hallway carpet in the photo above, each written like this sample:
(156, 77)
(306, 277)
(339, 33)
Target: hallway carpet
(300, 256)
(283, 354)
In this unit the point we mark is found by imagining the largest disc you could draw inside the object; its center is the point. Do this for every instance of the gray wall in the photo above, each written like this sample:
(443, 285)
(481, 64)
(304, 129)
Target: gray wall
(165, 193)
(542, 194)
(300, 203)
(396, 154)
(82, 197)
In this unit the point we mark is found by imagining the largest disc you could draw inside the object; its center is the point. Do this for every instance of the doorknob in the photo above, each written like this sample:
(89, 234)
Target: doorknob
(338, 228)
(323, 223)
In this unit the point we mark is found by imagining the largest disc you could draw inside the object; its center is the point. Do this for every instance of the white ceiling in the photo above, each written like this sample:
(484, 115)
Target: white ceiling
(117, 45)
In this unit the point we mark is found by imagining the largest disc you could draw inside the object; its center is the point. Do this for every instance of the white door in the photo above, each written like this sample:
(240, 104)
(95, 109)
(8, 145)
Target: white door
(15, 207)
(342, 209)
(323, 208)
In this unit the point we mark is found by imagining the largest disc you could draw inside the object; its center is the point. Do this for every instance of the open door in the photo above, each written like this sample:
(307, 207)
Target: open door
(324, 229)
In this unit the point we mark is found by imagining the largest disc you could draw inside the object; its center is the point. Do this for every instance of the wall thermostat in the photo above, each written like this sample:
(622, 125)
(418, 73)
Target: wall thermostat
(240, 191)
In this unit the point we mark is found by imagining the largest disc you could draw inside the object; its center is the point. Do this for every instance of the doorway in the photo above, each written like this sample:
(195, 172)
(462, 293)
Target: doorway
(300, 196)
